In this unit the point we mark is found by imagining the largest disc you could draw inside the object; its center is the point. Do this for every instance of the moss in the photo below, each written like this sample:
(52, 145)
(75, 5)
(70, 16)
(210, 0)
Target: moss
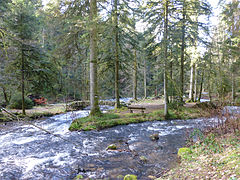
(120, 177)
(130, 177)
(143, 159)
(118, 110)
(222, 164)
(113, 119)
(184, 151)
(112, 147)
(3, 119)
(188, 101)
(79, 176)
(95, 111)
(94, 122)
(133, 115)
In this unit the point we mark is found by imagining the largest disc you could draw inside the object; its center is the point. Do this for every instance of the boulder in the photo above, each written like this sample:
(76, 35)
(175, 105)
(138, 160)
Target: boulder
(112, 147)
(130, 177)
(152, 177)
(143, 159)
(154, 137)
(78, 177)
(120, 177)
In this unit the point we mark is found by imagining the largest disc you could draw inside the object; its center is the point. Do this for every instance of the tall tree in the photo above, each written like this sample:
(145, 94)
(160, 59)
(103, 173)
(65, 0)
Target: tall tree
(166, 59)
(135, 70)
(182, 49)
(230, 17)
(116, 44)
(23, 23)
(95, 110)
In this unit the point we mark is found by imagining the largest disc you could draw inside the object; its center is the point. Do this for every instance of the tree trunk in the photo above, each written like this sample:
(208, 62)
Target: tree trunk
(209, 88)
(195, 83)
(182, 52)
(233, 76)
(135, 76)
(95, 110)
(165, 61)
(22, 81)
(116, 41)
(5, 95)
(145, 78)
(201, 86)
(171, 77)
(233, 88)
(191, 82)
(22, 71)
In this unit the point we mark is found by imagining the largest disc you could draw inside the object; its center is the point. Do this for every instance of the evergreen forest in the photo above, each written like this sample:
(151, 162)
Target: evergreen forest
(161, 59)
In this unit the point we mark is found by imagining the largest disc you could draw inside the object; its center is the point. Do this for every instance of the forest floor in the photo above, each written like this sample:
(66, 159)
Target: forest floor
(38, 111)
(152, 105)
(216, 155)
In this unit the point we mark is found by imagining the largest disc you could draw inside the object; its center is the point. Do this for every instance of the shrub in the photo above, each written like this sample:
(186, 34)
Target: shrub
(40, 101)
(16, 102)
(175, 104)
(206, 105)
(60, 97)
(182, 152)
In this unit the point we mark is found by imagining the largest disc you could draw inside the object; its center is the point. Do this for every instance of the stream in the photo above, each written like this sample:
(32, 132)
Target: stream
(29, 153)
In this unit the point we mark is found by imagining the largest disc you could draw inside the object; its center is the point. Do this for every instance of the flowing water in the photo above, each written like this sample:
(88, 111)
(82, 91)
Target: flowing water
(29, 153)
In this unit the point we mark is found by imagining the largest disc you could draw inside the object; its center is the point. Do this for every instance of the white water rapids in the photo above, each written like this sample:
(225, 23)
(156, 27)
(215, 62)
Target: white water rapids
(29, 153)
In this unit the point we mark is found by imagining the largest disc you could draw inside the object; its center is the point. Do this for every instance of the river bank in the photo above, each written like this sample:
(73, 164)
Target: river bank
(216, 157)
(215, 154)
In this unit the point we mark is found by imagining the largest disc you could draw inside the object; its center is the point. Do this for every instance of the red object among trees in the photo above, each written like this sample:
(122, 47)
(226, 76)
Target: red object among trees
(40, 101)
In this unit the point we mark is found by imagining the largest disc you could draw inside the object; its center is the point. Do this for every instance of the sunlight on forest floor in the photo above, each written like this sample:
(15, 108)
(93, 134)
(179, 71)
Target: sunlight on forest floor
(43, 111)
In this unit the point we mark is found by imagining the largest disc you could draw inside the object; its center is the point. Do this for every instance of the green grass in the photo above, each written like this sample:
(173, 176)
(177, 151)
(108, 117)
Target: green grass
(94, 122)
(113, 119)
(180, 113)
(118, 110)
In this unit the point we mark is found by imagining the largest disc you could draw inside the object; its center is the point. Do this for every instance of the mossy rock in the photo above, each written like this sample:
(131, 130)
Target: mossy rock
(79, 176)
(143, 158)
(112, 147)
(184, 151)
(130, 177)
(154, 137)
(189, 101)
(120, 177)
